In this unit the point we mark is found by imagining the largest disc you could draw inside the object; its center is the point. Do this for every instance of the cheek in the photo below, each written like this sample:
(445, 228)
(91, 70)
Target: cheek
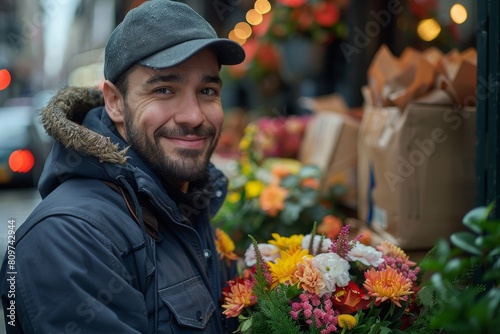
(151, 119)
(216, 119)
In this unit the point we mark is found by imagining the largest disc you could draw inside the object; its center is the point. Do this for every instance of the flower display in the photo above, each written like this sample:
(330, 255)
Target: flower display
(346, 287)
(270, 195)
(319, 20)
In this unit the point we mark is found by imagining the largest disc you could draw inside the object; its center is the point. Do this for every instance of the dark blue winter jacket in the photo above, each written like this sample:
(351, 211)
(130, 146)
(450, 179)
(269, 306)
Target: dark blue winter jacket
(86, 261)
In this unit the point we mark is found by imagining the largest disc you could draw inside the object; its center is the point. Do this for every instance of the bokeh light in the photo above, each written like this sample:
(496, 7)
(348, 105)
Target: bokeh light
(254, 17)
(458, 13)
(5, 79)
(232, 36)
(262, 6)
(428, 29)
(242, 30)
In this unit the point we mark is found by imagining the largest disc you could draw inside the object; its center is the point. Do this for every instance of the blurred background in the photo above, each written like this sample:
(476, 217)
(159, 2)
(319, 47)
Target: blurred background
(47, 44)
(295, 49)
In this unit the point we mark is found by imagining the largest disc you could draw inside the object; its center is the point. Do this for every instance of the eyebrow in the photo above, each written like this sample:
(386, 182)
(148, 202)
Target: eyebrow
(161, 78)
(212, 79)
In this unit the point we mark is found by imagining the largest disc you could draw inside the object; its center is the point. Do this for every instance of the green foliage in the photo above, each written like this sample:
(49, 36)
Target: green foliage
(273, 306)
(463, 295)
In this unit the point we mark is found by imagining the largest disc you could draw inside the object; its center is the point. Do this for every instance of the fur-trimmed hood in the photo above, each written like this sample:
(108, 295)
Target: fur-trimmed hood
(87, 143)
(62, 119)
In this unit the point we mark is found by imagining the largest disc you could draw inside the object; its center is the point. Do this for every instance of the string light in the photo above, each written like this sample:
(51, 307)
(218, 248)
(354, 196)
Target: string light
(232, 36)
(243, 30)
(262, 6)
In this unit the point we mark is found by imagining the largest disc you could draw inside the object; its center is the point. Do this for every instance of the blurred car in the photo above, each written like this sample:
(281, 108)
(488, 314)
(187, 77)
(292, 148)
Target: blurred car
(24, 146)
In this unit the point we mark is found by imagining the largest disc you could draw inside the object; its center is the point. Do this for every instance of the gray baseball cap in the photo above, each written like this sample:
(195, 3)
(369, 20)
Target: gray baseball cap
(160, 34)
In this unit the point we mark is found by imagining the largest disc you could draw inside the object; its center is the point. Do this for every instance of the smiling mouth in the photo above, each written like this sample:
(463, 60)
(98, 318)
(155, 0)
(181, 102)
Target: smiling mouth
(188, 142)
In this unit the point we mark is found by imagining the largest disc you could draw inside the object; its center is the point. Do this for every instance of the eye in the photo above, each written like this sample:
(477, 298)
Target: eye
(209, 91)
(162, 90)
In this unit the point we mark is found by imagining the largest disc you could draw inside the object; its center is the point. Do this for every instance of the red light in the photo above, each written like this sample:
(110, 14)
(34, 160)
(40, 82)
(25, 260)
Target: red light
(21, 161)
(4, 79)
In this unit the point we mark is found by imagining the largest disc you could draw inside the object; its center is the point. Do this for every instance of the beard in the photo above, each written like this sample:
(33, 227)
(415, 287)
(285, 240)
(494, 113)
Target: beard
(189, 165)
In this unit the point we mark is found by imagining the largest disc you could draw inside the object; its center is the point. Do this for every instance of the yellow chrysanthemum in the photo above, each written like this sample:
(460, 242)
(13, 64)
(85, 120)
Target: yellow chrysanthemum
(289, 244)
(387, 284)
(253, 188)
(225, 246)
(282, 271)
(346, 321)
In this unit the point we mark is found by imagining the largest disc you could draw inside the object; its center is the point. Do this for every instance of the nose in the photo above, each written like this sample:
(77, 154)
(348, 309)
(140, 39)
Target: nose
(190, 112)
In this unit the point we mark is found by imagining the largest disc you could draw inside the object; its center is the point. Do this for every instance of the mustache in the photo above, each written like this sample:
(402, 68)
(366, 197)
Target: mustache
(179, 131)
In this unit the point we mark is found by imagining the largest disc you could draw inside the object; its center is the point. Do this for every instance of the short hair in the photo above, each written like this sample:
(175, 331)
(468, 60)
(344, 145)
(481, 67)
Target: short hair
(122, 82)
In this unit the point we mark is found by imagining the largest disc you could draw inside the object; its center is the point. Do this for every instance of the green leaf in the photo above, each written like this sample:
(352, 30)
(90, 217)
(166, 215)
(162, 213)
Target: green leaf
(475, 217)
(466, 241)
(244, 325)
(426, 296)
(307, 197)
(290, 182)
(292, 291)
(290, 213)
(309, 171)
(494, 252)
(453, 267)
(385, 330)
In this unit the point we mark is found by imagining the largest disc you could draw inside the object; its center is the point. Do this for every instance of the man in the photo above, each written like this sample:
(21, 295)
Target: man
(122, 241)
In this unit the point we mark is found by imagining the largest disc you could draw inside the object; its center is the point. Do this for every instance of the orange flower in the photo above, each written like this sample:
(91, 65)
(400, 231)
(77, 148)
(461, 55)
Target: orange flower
(225, 246)
(309, 277)
(272, 199)
(330, 226)
(387, 284)
(280, 171)
(365, 236)
(238, 296)
(310, 183)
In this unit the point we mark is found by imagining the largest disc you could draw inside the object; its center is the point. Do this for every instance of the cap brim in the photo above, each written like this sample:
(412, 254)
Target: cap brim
(228, 53)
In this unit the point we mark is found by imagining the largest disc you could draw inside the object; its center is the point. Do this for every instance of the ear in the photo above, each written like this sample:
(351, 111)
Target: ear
(113, 100)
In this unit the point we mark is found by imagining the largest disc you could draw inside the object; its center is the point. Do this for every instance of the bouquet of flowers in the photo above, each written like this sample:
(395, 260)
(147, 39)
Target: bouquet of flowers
(314, 284)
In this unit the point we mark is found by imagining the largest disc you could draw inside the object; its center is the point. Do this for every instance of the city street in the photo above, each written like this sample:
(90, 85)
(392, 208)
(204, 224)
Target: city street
(15, 204)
